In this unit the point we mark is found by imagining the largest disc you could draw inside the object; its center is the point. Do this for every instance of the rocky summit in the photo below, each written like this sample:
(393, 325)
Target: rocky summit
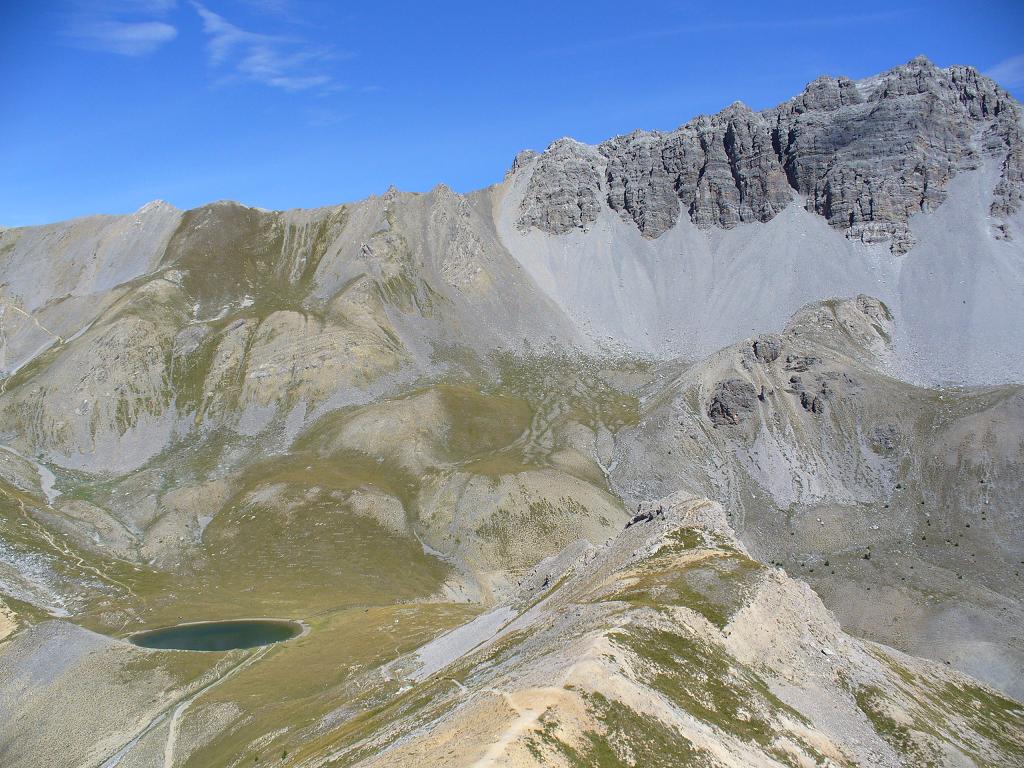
(864, 155)
(694, 447)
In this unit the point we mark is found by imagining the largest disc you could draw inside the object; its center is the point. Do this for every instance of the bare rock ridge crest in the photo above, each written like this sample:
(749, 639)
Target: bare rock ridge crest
(865, 155)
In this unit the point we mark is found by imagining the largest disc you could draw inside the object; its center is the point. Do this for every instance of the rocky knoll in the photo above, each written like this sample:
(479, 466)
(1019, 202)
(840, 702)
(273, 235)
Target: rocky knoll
(865, 155)
(670, 645)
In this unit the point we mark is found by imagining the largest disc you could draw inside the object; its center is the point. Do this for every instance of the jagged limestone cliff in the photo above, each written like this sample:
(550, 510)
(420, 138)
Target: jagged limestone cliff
(865, 155)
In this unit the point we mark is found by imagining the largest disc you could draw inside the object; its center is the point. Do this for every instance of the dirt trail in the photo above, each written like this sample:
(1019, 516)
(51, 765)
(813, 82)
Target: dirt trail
(8, 622)
(528, 713)
(175, 709)
(62, 548)
(172, 729)
(35, 320)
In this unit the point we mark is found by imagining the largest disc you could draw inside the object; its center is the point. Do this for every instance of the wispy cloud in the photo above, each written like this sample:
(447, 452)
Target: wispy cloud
(278, 61)
(124, 27)
(1009, 73)
(124, 37)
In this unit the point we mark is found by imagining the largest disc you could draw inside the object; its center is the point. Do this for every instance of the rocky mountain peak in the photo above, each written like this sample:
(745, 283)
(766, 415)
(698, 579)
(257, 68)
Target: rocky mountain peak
(826, 94)
(565, 188)
(155, 205)
(866, 155)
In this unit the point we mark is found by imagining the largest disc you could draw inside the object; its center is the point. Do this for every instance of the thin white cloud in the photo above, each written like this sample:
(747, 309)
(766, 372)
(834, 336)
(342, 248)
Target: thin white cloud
(124, 27)
(223, 37)
(1009, 73)
(276, 61)
(125, 38)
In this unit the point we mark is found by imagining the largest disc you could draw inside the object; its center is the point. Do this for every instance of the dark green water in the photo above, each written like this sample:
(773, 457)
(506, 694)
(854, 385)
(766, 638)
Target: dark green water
(218, 635)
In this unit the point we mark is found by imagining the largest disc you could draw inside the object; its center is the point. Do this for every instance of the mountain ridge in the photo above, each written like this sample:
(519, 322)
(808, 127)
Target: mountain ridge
(981, 97)
(733, 137)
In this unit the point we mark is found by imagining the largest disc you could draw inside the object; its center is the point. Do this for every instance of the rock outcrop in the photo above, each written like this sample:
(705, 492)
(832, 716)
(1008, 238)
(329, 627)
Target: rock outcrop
(865, 155)
(730, 401)
(565, 189)
(767, 348)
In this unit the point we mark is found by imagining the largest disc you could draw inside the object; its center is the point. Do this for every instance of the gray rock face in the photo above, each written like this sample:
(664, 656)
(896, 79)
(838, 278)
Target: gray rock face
(1008, 195)
(768, 348)
(865, 155)
(874, 309)
(800, 363)
(565, 188)
(730, 401)
(811, 403)
(722, 169)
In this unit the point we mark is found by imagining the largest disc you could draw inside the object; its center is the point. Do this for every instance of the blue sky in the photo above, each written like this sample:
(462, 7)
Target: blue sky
(296, 103)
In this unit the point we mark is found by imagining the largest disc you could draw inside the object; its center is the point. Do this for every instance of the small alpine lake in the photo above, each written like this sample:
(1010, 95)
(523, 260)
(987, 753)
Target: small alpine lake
(218, 635)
